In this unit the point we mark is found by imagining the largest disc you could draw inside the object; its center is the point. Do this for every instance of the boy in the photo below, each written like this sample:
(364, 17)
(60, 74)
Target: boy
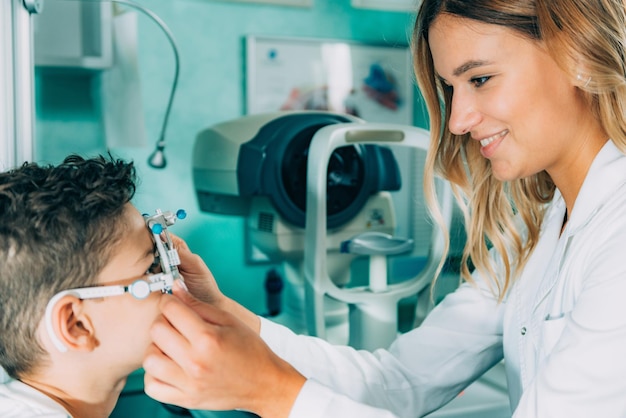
(72, 247)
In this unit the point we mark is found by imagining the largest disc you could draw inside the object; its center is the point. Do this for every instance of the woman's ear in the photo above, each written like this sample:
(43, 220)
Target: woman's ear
(69, 326)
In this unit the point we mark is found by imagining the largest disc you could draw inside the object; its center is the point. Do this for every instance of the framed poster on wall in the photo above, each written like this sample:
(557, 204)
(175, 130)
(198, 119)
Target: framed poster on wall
(298, 3)
(373, 82)
(391, 5)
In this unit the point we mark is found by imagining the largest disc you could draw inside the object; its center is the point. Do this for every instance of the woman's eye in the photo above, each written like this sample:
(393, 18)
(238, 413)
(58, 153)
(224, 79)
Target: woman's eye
(479, 81)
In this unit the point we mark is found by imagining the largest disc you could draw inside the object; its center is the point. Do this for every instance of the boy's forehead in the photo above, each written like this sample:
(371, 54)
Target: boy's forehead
(137, 223)
(140, 231)
(133, 253)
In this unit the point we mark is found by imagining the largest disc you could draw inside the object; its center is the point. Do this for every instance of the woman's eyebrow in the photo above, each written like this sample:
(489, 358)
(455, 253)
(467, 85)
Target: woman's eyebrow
(468, 65)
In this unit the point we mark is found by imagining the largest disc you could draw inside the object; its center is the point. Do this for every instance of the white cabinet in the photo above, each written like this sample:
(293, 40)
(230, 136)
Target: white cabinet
(73, 34)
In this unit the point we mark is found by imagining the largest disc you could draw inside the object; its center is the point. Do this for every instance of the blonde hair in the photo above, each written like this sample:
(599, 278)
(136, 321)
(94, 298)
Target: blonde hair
(587, 39)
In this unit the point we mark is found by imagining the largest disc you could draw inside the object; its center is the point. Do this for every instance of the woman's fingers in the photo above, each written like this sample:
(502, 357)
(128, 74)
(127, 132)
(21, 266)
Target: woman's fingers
(179, 243)
(162, 377)
(197, 275)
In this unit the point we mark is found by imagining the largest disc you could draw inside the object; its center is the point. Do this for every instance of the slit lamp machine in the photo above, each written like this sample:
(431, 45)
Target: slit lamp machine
(316, 191)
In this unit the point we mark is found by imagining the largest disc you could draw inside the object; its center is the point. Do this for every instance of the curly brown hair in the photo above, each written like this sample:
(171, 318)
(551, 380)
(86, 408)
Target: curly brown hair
(57, 231)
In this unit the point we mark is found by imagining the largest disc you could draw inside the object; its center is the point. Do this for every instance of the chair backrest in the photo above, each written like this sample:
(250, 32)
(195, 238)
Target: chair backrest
(375, 313)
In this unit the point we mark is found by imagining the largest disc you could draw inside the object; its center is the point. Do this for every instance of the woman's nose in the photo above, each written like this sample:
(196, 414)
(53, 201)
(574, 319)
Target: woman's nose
(463, 114)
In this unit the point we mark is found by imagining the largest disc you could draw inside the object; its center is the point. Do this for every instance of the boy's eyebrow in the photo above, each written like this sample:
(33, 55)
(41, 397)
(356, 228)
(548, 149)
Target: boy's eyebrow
(468, 65)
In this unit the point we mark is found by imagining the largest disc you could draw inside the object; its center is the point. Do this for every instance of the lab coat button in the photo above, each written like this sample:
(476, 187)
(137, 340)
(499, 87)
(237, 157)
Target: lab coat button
(523, 330)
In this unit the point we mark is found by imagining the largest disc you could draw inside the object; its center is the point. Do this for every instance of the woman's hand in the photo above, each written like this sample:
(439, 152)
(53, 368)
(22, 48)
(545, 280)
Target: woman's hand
(198, 278)
(203, 357)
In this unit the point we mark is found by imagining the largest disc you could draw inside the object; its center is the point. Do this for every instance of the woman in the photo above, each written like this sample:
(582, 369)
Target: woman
(526, 102)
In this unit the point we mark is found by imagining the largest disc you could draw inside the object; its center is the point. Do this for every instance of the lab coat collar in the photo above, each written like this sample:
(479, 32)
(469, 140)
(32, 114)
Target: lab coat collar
(606, 174)
(25, 400)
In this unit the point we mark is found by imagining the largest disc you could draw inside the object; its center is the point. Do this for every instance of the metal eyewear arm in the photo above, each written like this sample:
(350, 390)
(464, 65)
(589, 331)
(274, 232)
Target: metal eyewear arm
(157, 224)
(140, 289)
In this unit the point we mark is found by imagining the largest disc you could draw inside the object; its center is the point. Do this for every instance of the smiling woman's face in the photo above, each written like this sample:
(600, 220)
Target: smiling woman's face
(509, 94)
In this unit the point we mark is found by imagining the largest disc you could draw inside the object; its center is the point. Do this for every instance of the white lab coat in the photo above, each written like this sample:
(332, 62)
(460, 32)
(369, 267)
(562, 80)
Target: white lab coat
(561, 329)
(18, 400)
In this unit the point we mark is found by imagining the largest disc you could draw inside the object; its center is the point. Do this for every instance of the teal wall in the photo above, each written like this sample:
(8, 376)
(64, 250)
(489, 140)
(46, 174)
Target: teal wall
(211, 89)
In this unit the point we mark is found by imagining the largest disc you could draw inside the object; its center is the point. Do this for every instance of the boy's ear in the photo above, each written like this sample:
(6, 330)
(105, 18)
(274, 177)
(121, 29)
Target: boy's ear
(72, 325)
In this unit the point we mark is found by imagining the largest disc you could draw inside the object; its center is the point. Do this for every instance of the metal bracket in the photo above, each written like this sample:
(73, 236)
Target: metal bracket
(33, 6)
